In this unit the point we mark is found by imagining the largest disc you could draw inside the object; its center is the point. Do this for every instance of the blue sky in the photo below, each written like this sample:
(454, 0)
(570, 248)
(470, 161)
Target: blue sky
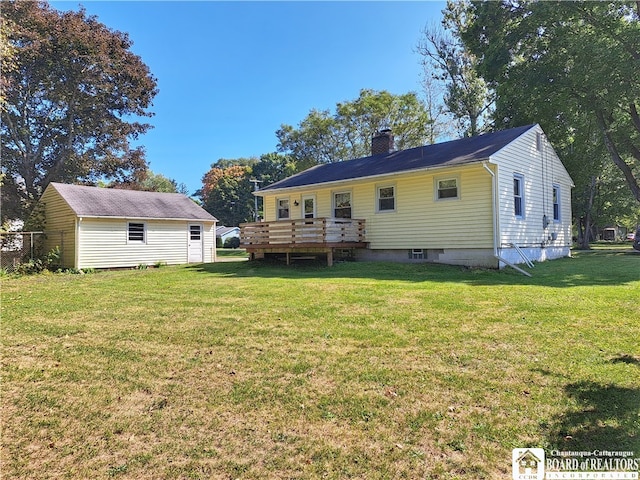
(230, 73)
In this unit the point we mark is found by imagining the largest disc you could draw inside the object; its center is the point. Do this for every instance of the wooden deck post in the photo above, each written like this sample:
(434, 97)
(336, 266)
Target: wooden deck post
(330, 258)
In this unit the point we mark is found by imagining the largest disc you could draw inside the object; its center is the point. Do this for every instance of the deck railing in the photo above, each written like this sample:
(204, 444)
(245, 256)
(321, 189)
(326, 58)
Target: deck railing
(306, 231)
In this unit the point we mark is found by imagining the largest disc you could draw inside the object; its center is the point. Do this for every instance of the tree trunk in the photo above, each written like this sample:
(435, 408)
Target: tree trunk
(632, 182)
(585, 235)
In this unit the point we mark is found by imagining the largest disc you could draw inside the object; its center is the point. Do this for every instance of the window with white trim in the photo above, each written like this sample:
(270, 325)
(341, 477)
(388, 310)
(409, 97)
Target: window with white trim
(282, 207)
(556, 203)
(386, 198)
(416, 254)
(342, 205)
(447, 188)
(136, 232)
(518, 195)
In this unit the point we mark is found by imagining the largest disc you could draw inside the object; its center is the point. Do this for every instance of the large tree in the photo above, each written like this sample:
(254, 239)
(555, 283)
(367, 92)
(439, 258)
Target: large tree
(446, 62)
(569, 65)
(71, 93)
(325, 137)
(227, 187)
(151, 182)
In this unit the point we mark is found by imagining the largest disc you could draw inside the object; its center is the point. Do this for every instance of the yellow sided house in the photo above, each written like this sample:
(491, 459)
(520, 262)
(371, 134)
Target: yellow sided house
(109, 228)
(491, 200)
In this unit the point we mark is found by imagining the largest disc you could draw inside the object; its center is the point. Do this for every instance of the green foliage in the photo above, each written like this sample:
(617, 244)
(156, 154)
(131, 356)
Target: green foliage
(273, 167)
(53, 257)
(37, 221)
(323, 137)
(231, 200)
(30, 267)
(570, 66)
(445, 59)
(227, 188)
(150, 182)
(232, 242)
(50, 262)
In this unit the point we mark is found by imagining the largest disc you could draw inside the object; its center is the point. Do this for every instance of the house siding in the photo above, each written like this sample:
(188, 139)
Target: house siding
(459, 230)
(60, 227)
(541, 170)
(103, 243)
(419, 220)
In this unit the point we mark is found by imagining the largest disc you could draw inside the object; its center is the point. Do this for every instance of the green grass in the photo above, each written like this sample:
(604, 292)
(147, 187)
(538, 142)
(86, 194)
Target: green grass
(363, 370)
(234, 253)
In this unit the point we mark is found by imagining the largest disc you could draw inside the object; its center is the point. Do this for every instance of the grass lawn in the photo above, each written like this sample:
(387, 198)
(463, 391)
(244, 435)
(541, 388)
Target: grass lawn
(363, 370)
(223, 253)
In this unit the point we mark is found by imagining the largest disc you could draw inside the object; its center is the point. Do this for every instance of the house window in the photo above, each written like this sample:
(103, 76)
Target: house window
(446, 188)
(416, 254)
(386, 199)
(518, 195)
(342, 205)
(283, 208)
(136, 232)
(556, 203)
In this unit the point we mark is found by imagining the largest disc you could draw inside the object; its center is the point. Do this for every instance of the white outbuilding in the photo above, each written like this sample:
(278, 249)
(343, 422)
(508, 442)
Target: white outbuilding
(109, 228)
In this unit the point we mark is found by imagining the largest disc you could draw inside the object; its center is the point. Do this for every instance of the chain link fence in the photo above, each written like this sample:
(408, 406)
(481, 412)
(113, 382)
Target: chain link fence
(19, 247)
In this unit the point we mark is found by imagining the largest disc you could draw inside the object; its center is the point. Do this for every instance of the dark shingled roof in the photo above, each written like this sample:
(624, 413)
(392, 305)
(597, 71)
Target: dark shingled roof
(109, 202)
(455, 152)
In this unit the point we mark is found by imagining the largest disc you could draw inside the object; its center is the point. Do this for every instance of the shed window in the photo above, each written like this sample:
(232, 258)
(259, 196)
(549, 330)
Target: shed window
(518, 195)
(342, 205)
(556, 203)
(136, 232)
(386, 199)
(447, 188)
(283, 208)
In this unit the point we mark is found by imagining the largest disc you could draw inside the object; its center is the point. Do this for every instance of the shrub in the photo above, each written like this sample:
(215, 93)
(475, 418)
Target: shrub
(31, 267)
(232, 242)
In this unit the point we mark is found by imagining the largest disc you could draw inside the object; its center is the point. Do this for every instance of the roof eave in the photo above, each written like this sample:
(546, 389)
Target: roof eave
(336, 183)
(212, 220)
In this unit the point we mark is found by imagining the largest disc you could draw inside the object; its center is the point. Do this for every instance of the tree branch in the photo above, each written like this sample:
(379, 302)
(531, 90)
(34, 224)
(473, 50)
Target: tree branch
(615, 156)
(634, 115)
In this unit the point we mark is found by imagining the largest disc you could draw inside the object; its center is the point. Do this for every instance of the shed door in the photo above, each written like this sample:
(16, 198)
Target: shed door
(194, 250)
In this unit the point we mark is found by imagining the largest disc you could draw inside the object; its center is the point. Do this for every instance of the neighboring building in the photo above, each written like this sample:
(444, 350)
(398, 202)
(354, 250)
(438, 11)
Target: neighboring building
(224, 233)
(466, 202)
(106, 228)
(613, 233)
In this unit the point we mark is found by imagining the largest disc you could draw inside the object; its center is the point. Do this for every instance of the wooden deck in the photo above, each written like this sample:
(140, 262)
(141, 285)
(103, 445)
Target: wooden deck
(302, 238)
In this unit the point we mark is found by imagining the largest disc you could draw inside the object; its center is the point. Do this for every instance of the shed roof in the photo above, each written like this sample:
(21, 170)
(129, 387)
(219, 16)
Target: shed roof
(222, 230)
(451, 153)
(108, 202)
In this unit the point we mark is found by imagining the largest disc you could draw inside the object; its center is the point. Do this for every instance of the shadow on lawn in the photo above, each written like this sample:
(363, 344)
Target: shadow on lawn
(607, 418)
(593, 268)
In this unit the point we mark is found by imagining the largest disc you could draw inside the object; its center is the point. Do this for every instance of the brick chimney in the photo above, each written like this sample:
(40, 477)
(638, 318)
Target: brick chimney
(382, 142)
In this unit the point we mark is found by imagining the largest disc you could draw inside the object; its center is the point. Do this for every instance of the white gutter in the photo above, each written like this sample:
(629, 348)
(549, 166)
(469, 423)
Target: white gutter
(494, 215)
